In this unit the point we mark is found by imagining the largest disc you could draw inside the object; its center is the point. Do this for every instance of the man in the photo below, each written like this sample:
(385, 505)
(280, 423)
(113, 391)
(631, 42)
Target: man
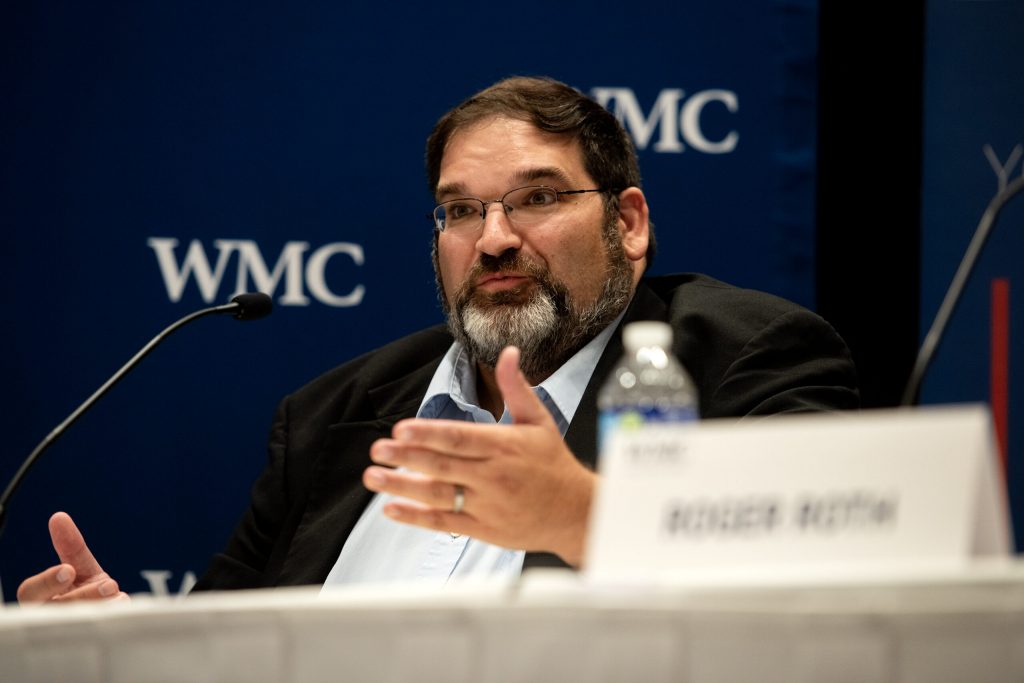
(542, 236)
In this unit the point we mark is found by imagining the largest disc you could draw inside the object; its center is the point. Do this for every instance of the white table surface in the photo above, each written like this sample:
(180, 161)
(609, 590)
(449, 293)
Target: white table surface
(914, 625)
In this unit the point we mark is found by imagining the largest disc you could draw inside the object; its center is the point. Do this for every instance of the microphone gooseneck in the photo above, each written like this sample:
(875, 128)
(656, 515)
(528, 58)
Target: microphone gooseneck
(249, 306)
(956, 289)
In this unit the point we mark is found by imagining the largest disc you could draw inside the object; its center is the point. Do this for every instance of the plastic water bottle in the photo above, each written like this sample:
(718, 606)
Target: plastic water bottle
(648, 385)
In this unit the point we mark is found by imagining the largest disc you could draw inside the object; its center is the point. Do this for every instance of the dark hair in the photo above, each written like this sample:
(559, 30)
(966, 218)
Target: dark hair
(609, 156)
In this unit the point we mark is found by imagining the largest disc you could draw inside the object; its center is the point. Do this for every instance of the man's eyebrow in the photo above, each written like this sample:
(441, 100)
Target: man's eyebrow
(531, 175)
(457, 189)
(517, 179)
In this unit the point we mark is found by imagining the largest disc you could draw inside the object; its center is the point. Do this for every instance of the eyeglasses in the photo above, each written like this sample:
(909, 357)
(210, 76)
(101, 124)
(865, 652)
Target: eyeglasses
(523, 205)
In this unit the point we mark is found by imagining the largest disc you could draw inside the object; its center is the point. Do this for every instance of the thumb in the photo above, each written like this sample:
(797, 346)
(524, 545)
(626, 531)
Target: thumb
(522, 403)
(71, 547)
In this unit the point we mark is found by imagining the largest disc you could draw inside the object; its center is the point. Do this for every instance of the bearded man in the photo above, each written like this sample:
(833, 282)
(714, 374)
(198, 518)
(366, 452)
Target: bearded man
(482, 436)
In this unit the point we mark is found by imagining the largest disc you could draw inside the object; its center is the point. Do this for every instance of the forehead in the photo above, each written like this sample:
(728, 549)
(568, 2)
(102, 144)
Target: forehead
(497, 153)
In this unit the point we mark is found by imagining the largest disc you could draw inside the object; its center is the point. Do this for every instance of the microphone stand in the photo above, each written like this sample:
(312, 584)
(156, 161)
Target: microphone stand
(956, 289)
(244, 306)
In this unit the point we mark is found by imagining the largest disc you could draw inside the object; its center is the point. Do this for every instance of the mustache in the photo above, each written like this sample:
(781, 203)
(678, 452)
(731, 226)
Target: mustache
(511, 261)
(505, 261)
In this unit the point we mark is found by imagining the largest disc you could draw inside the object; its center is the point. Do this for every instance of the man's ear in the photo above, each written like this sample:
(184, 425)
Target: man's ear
(633, 223)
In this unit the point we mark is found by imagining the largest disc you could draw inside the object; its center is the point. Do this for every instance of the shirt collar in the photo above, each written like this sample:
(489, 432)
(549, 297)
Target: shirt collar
(454, 381)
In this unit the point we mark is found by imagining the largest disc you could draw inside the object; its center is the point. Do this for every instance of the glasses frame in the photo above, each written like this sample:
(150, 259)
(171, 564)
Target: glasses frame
(439, 223)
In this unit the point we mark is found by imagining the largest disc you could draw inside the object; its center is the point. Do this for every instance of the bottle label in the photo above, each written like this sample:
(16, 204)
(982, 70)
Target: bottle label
(634, 417)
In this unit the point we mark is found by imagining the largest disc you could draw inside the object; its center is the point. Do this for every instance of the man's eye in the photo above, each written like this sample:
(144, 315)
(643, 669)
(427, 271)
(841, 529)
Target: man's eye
(461, 211)
(538, 198)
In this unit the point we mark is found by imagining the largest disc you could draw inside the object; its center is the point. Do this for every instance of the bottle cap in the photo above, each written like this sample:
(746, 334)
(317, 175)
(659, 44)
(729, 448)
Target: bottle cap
(645, 334)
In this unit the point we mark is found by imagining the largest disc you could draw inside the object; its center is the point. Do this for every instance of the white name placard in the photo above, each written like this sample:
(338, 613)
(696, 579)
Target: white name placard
(906, 486)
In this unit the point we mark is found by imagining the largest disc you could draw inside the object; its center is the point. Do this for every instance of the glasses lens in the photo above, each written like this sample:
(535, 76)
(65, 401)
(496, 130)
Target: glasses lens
(530, 204)
(458, 214)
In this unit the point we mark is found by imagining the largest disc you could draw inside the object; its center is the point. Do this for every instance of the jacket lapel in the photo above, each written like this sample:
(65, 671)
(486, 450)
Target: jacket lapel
(337, 496)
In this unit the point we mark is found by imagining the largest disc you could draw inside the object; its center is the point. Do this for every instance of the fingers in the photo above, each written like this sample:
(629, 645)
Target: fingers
(98, 590)
(504, 471)
(58, 584)
(78, 577)
(413, 486)
(433, 463)
(522, 403)
(71, 547)
(468, 439)
(46, 585)
(465, 439)
(432, 518)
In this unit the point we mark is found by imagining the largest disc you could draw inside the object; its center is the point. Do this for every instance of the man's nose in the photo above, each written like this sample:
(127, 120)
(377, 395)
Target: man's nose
(497, 235)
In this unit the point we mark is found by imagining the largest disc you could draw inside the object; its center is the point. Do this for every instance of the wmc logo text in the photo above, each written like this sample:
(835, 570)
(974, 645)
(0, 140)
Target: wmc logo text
(297, 270)
(676, 118)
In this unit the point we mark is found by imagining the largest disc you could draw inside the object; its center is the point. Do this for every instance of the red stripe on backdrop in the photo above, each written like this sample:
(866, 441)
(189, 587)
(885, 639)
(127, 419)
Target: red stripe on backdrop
(999, 377)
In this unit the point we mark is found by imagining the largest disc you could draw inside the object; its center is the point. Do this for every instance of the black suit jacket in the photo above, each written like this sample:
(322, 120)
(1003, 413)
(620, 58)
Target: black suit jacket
(749, 354)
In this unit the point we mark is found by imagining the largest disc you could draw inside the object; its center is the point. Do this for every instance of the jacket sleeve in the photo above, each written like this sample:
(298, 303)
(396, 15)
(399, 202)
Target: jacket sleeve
(794, 363)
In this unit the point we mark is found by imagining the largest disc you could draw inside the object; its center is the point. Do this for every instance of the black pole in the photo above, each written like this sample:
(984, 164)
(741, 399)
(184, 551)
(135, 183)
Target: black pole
(244, 306)
(956, 289)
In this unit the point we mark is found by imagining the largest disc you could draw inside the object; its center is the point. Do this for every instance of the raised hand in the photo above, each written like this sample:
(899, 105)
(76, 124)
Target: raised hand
(521, 486)
(78, 576)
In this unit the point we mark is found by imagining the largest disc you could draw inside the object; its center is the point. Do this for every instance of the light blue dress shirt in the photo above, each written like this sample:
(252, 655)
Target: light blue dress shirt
(382, 550)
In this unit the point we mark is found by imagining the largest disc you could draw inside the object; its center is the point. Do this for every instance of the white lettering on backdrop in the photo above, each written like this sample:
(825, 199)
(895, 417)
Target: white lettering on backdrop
(293, 270)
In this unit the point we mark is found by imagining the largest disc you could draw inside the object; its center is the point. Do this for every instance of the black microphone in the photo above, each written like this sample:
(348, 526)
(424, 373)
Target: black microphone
(250, 306)
(956, 289)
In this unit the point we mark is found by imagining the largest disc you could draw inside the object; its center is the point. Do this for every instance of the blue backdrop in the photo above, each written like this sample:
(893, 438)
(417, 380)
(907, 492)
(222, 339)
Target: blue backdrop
(973, 144)
(157, 157)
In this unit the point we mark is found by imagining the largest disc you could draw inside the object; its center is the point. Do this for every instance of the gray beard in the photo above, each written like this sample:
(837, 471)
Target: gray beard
(549, 326)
